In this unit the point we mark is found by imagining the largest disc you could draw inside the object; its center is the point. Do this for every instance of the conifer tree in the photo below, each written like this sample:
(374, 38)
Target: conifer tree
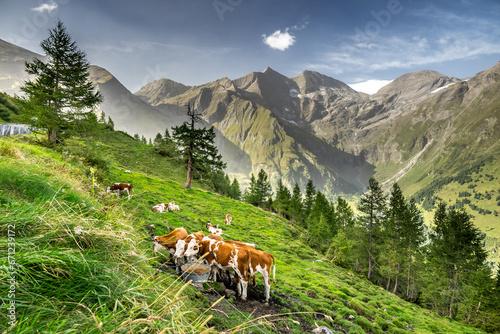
(197, 146)
(259, 190)
(282, 202)
(61, 91)
(345, 214)
(372, 206)
(111, 124)
(235, 191)
(309, 197)
(456, 250)
(414, 238)
(393, 235)
(296, 206)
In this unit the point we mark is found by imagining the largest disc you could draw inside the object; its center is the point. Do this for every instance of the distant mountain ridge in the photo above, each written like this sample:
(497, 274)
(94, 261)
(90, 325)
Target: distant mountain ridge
(311, 126)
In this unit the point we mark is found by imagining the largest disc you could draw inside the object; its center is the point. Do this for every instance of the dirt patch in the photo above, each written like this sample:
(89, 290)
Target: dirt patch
(256, 308)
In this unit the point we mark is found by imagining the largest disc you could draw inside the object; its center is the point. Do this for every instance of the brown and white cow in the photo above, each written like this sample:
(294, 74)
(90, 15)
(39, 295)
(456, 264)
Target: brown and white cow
(173, 207)
(181, 246)
(214, 229)
(169, 242)
(223, 255)
(228, 220)
(261, 262)
(127, 187)
(161, 208)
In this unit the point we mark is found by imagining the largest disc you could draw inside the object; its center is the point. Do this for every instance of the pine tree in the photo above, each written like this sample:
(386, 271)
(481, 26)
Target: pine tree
(372, 207)
(198, 148)
(309, 198)
(456, 250)
(414, 238)
(111, 124)
(61, 91)
(321, 222)
(393, 235)
(259, 190)
(235, 191)
(345, 214)
(282, 202)
(158, 140)
(296, 206)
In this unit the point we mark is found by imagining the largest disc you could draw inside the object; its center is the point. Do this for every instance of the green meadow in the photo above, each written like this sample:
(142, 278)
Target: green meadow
(84, 261)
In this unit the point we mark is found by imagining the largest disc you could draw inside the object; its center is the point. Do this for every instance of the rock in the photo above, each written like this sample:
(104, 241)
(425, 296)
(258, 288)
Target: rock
(229, 293)
(322, 330)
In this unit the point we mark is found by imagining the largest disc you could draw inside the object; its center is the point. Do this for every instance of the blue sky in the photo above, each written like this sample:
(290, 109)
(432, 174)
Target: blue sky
(197, 41)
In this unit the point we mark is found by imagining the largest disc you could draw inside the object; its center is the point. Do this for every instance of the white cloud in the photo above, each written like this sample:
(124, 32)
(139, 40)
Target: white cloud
(46, 7)
(369, 86)
(279, 40)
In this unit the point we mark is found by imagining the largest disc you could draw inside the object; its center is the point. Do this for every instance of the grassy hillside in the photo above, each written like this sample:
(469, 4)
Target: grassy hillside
(84, 260)
(9, 108)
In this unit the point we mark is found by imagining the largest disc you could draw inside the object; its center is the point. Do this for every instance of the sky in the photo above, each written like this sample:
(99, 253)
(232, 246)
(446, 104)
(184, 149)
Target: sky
(364, 43)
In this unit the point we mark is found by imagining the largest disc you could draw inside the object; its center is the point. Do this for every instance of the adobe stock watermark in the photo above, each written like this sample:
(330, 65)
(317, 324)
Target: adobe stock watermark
(382, 19)
(223, 6)
(40, 19)
(12, 273)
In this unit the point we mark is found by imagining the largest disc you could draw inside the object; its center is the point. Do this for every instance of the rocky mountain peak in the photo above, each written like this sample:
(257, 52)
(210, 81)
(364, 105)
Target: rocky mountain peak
(310, 81)
(159, 90)
(414, 86)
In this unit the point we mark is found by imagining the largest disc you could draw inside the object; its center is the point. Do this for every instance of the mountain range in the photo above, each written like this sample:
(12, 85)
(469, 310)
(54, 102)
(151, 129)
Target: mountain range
(421, 127)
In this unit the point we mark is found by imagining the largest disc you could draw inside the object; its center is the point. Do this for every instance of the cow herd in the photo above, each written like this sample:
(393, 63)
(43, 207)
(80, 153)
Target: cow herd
(223, 256)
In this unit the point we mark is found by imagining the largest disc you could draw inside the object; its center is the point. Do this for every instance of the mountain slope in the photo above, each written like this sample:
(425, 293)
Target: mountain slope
(91, 263)
(12, 73)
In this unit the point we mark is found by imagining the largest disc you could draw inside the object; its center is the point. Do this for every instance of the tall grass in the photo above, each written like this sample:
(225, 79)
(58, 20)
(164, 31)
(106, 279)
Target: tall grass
(81, 265)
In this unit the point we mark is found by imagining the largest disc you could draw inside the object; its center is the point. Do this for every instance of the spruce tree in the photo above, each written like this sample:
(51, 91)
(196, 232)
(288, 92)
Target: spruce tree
(393, 235)
(456, 250)
(309, 197)
(61, 91)
(282, 202)
(372, 206)
(296, 206)
(198, 148)
(235, 191)
(345, 214)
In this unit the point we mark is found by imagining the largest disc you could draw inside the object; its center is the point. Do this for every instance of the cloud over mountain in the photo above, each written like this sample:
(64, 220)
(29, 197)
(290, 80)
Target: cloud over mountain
(279, 40)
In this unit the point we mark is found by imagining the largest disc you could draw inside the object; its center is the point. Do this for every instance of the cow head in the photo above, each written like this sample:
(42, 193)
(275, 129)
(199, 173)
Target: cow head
(180, 248)
(192, 248)
(156, 245)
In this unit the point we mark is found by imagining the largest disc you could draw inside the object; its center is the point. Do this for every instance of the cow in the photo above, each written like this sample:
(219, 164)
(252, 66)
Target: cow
(173, 207)
(223, 255)
(228, 219)
(190, 245)
(161, 208)
(127, 187)
(261, 262)
(181, 245)
(169, 242)
(214, 229)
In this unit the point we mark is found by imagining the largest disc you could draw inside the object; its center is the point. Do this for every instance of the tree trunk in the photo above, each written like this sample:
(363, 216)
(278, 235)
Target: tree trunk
(370, 248)
(190, 171)
(409, 272)
(397, 279)
(388, 284)
(53, 138)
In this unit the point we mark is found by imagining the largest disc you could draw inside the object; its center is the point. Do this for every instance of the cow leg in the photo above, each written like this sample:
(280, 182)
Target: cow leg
(244, 287)
(128, 193)
(267, 287)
